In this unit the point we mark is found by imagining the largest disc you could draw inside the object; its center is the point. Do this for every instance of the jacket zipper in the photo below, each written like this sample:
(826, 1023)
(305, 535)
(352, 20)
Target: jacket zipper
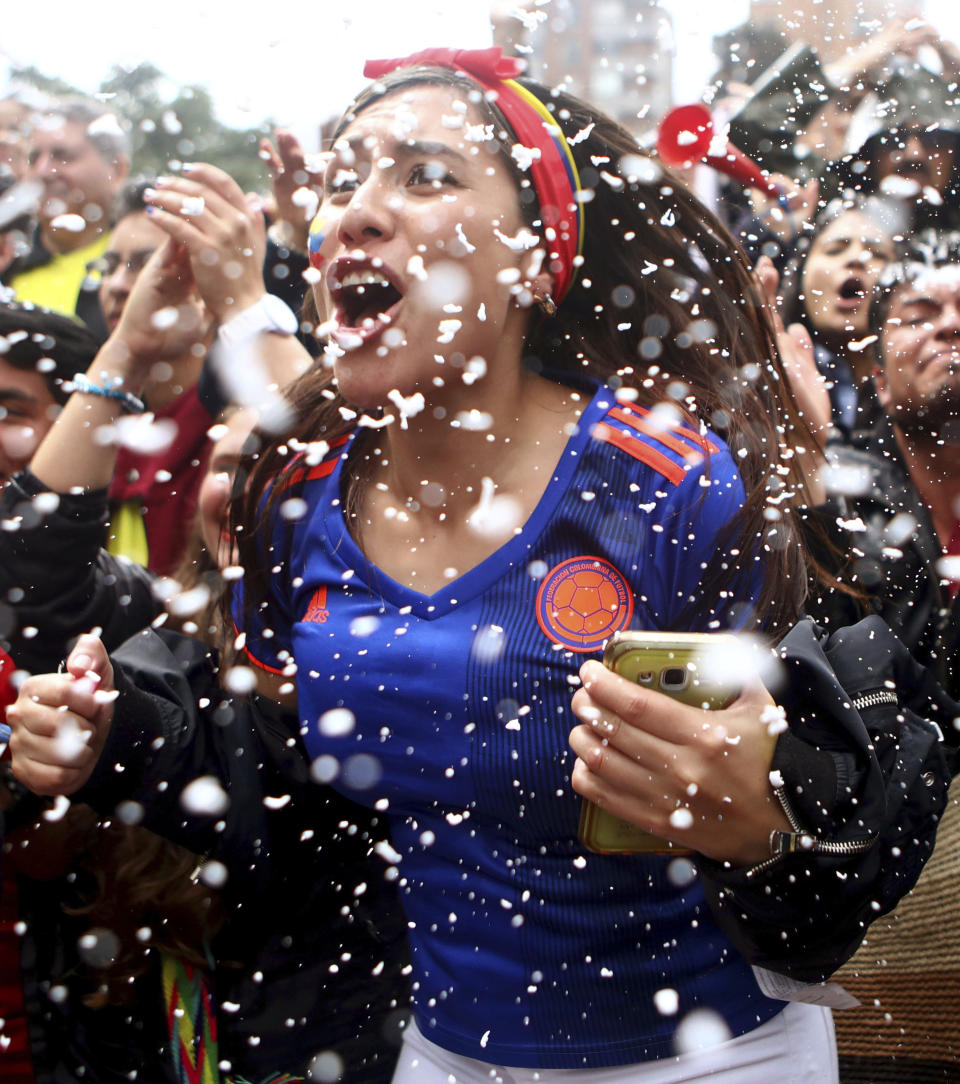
(805, 841)
(808, 843)
(874, 699)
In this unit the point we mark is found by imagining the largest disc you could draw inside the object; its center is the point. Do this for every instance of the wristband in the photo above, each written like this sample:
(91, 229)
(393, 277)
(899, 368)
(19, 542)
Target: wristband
(268, 314)
(109, 389)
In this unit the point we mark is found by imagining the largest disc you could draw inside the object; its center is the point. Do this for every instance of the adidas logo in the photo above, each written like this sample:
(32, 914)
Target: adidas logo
(317, 610)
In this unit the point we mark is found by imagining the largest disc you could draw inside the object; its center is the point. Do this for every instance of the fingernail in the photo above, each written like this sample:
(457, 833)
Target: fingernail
(150, 193)
(162, 182)
(589, 671)
(188, 166)
(82, 662)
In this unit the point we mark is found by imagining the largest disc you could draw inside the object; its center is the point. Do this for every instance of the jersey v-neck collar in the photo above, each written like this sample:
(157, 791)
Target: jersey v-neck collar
(477, 579)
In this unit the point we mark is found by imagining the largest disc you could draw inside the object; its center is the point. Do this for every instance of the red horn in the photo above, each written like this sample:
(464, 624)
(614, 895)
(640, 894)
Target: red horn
(685, 138)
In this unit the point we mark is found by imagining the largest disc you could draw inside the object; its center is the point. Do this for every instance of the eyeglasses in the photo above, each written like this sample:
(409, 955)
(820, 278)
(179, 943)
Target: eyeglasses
(108, 263)
(934, 140)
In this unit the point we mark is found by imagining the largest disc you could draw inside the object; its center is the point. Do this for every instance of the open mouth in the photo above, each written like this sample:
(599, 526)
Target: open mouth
(364, 298)
(852, 291)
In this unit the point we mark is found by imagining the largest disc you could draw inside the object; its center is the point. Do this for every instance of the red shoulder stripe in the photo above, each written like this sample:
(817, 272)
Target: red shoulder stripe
(253, 658)
(321, 470)
(261, 665)
(663, 436)
(327, 466)
(640, 450)
(700, 441)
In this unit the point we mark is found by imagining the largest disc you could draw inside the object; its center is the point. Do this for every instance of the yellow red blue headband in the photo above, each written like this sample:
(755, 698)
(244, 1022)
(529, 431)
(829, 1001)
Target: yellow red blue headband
(553, 170)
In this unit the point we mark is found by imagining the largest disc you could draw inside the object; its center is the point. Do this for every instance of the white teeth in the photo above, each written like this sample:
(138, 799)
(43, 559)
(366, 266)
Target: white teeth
(364, 278)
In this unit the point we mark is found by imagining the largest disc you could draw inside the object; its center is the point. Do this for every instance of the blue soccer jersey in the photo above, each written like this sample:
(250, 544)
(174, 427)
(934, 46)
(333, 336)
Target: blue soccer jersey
(452, 712)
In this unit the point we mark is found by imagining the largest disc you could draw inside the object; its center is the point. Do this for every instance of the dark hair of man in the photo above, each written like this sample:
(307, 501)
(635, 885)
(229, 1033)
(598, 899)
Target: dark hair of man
(46, 342)
(665, 303)
(111, 141)
(130, 199)
(927, 252)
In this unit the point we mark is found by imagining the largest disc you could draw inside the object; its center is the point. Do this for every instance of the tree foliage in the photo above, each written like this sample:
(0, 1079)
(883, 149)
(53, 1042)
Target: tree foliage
(169, 124)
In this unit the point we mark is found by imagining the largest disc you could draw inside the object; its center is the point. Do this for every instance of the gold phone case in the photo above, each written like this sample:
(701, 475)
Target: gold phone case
(679, 665)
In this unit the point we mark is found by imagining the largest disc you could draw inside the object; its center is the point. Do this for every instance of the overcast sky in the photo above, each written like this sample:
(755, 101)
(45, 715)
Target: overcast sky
(301, 60)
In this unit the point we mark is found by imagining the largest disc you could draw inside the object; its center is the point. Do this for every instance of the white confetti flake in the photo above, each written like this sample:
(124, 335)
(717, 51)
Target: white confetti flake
(700, 1030)
(107, 124)
(523, 241)
(415, 267)
(852, 481)
(681, 819)
(57, 811)
(462, 238)
(479, 133)
(448, 330)
(294, 509)
(408, 406)
(240, 680)
(494, 514)
(71, 740)
(308, 200)
(325, 1068)
(324, 769)
(205, 796)
(72, 223)
(488, 644)
(774, 718)
(524, 156)
(364, 626)
(337, 722)
(213, 873)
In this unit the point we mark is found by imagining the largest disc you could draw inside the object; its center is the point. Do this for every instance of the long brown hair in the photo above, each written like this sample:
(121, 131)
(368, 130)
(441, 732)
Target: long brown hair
(665, 303)
(129, 879)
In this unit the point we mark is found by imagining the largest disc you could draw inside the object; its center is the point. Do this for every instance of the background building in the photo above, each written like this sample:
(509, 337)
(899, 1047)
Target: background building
(618, 54)
(831, 28)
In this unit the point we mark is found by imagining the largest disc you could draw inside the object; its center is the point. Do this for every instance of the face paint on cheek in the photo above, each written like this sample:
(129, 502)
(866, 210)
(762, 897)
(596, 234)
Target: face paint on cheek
(318, 229)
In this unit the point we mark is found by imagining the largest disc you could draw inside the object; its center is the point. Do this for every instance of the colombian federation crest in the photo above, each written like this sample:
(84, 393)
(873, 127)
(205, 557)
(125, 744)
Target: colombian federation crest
(582, 602)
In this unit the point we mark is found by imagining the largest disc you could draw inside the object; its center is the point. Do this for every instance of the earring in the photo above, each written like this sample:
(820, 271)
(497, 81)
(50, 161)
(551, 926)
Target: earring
(547, 305)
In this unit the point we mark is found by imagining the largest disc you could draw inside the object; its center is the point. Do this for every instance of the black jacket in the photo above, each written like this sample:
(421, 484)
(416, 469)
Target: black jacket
(887, 531)
(868, 780)
(57, 582)
(312, 900)
(865, 775)
(866, 784)
(296, 954)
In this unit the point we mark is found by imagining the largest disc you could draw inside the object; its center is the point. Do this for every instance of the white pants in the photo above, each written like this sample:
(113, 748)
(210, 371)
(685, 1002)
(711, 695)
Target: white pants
(795, 1047)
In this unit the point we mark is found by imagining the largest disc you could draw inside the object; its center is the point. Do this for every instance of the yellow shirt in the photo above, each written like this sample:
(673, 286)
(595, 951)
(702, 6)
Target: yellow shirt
(57, 284)
(128, 535)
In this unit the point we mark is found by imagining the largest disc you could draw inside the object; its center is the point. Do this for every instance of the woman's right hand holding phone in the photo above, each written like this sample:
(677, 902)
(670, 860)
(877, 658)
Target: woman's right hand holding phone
(698, 778)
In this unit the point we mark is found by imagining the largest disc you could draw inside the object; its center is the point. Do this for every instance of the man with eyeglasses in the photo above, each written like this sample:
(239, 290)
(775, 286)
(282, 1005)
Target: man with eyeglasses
(154, 490)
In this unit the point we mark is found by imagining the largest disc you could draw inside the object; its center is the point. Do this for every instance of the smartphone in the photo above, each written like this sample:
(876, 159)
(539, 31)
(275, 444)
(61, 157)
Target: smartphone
(696, 668)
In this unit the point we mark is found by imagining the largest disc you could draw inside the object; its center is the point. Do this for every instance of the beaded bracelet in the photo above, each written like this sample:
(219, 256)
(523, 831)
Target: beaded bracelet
(109, 389)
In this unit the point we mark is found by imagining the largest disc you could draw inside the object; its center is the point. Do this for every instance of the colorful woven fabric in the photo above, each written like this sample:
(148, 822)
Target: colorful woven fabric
(191, 1023)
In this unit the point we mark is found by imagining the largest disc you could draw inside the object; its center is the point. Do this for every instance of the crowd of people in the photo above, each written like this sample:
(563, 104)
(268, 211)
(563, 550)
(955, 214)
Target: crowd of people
(319, 506)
